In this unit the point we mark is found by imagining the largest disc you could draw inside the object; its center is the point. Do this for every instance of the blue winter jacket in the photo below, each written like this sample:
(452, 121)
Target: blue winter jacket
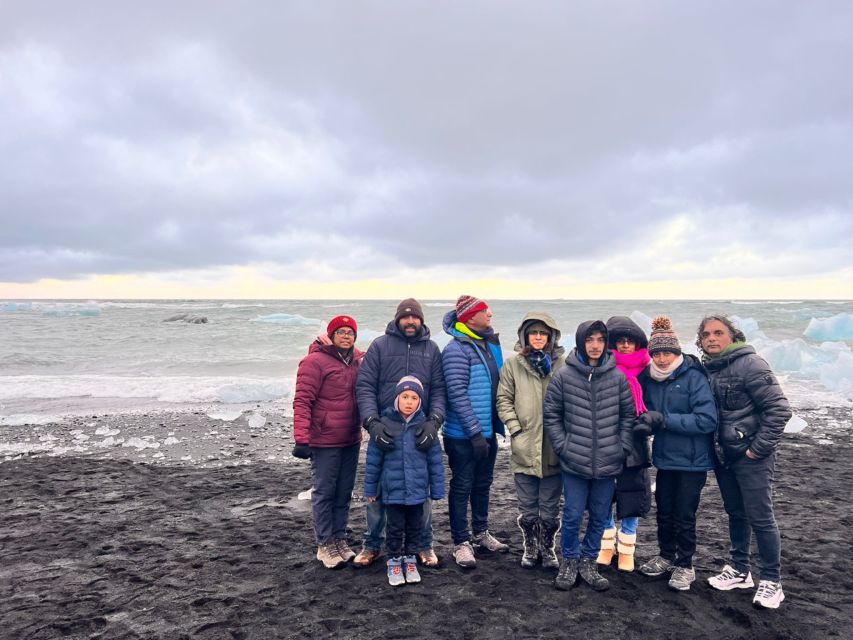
(470, 399)
(405, 475)
(685, 442)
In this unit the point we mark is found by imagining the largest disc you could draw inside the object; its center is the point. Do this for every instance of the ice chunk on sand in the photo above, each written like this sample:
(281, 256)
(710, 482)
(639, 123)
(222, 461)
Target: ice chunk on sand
(256, 421)
(141, 444)
(106, 431)
(305, 495)
(226, 415)
(837, 327)
(170, 441)
(795, 424)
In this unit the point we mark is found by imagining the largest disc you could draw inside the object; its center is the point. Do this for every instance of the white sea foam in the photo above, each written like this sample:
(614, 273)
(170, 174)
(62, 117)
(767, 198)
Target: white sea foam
(19, 419)
(288, 319)
(440, 304)
(234, 305)
(178, 389)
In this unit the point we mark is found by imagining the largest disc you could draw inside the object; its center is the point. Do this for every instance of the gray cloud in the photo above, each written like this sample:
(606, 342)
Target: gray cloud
(376, 136)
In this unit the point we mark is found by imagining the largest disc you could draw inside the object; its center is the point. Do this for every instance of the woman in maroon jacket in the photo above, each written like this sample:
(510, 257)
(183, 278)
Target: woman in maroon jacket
(327, 430)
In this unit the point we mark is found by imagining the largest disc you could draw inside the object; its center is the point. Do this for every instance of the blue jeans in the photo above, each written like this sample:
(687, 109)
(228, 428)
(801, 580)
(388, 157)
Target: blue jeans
(470, 482)
(581, 494)
(746, 486)
(627, 525)
(333, 469)
(377, 519)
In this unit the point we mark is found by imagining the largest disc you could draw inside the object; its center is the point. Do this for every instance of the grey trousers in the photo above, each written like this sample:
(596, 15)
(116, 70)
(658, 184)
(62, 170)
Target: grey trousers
(539, 498)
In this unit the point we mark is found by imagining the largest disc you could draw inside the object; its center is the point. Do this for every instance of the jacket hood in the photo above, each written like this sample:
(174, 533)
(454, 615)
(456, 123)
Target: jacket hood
(393, 329)
(583, 332)
(690, 362)
(546, 319)
(332, 350)
(605, 363)
(623, 326)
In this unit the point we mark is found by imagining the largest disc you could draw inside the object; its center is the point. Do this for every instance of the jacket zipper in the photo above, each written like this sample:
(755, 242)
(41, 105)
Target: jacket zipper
(594, 426)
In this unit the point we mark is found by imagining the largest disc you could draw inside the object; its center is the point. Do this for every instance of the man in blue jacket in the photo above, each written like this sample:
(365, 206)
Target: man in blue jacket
(471, 363)
(404, 350)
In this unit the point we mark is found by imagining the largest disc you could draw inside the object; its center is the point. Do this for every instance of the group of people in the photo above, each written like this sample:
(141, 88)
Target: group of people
(584, 426)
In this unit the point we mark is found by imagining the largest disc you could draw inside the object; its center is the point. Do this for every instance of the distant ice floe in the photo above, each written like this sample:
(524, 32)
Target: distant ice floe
(61, 310)
(20, 419)
(288, 319)
(12, 307)
(189, 318)
(446, 305)
(837, 327)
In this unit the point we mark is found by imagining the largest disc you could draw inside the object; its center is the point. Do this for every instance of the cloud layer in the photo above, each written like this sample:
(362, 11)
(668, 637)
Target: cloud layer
(358, 140)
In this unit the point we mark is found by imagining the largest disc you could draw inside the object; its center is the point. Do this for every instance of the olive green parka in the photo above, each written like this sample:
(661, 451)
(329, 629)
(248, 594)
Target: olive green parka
(520, 401)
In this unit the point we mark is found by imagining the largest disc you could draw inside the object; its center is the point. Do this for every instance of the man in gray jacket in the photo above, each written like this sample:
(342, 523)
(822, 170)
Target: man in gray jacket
(589, 414)
(753, 414)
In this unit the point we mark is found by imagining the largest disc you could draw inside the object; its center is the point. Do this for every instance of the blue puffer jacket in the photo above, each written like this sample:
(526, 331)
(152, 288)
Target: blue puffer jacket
(405, 475)
(470, 397)
(686, 441)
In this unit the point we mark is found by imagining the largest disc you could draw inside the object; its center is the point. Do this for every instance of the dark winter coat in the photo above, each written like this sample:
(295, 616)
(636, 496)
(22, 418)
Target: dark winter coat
(471, 386)
(405, 475)
(685, 442)
(753, 411)
(325, 412)
(392, 356)
(589, 412)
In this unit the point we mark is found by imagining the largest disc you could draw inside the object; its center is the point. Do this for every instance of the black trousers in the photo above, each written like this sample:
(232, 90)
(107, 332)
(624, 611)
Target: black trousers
(404, 521)
(677, 496)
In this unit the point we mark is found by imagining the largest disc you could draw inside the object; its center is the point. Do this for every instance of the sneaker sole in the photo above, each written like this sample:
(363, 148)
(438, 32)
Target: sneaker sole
(730, 587)
(649, 574)
(674, 588)
(759, 605)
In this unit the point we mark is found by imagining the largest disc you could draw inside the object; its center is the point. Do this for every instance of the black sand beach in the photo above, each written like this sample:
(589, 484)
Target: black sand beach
(98, 542)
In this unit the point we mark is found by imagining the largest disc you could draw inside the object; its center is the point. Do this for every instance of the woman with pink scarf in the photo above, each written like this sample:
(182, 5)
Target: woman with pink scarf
(633, 487)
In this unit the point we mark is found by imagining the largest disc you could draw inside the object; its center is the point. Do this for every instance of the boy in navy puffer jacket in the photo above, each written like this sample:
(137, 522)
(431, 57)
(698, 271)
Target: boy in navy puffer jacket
(407, 478)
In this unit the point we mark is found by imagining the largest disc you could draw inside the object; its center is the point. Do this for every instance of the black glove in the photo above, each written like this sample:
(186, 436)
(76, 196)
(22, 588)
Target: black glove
(302, 451)
(641, 428)
(653, 418)
(426, 434)
(379, 434)
(481, 446)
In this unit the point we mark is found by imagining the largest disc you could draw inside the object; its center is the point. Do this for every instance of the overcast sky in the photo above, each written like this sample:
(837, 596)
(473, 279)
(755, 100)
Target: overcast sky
(347, 148)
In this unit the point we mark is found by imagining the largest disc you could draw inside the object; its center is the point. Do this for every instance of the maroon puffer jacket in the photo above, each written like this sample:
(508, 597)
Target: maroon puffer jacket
(325, 413)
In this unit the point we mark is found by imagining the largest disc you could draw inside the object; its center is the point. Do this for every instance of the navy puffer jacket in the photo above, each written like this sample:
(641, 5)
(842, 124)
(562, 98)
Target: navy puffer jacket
(405, 475)
(685, 442)
(471, 389)
(753, 408)
(589, 413)
(325, 413)
(392, 356)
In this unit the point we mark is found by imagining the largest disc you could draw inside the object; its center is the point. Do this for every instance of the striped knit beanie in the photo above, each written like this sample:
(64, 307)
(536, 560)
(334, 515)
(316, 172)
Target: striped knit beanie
(468, 306)
(410, 383)
(663, 337)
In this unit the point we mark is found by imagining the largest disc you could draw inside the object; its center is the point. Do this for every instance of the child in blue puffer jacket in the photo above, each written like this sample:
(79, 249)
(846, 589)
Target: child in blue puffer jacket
(407, 478)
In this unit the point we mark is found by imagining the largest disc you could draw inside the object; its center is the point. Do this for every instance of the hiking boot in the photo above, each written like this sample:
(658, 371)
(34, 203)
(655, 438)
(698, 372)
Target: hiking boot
(487, 541)
(343, 549)
(567, 575)
(365, 558)
(682, 578)
(548, 531)
(608, 547)
(329, 556)
(410, 569)
(588, 570)
(730, 578)
(428, 558)
(464, 555)
(657, 566)
(769, 595)
(530, 542)
(395, 572)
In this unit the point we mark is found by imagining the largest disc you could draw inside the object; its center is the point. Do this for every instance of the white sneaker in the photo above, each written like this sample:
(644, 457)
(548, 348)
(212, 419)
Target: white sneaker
(730, 578)
(769, 595)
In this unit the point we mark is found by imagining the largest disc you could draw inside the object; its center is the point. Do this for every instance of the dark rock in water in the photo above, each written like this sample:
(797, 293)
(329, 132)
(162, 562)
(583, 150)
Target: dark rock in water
(187, 317)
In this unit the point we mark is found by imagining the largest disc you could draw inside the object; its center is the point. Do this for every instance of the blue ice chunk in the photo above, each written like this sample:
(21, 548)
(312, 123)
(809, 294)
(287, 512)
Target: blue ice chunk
(288, 319)
(10, 307)
(837, 327)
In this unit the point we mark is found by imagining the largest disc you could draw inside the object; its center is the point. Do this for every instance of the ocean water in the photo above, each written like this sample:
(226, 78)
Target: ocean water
(63, 357)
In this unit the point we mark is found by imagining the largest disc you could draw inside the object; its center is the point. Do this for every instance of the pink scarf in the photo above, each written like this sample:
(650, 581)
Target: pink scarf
(631, 364)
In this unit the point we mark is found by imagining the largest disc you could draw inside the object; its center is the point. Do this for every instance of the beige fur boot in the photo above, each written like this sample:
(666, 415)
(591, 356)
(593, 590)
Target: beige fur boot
(625, 547)
(608, 547)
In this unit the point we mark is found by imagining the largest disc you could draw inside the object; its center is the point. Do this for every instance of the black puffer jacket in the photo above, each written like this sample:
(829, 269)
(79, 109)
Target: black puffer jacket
(589, 412)
(753, 411)
(389, 358)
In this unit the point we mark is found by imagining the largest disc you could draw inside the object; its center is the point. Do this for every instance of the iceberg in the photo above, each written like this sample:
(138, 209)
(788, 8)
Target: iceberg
(837, 327)
(65, 311)
(10, 307)
(644, 321)
(188, 318)
(288, 319)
